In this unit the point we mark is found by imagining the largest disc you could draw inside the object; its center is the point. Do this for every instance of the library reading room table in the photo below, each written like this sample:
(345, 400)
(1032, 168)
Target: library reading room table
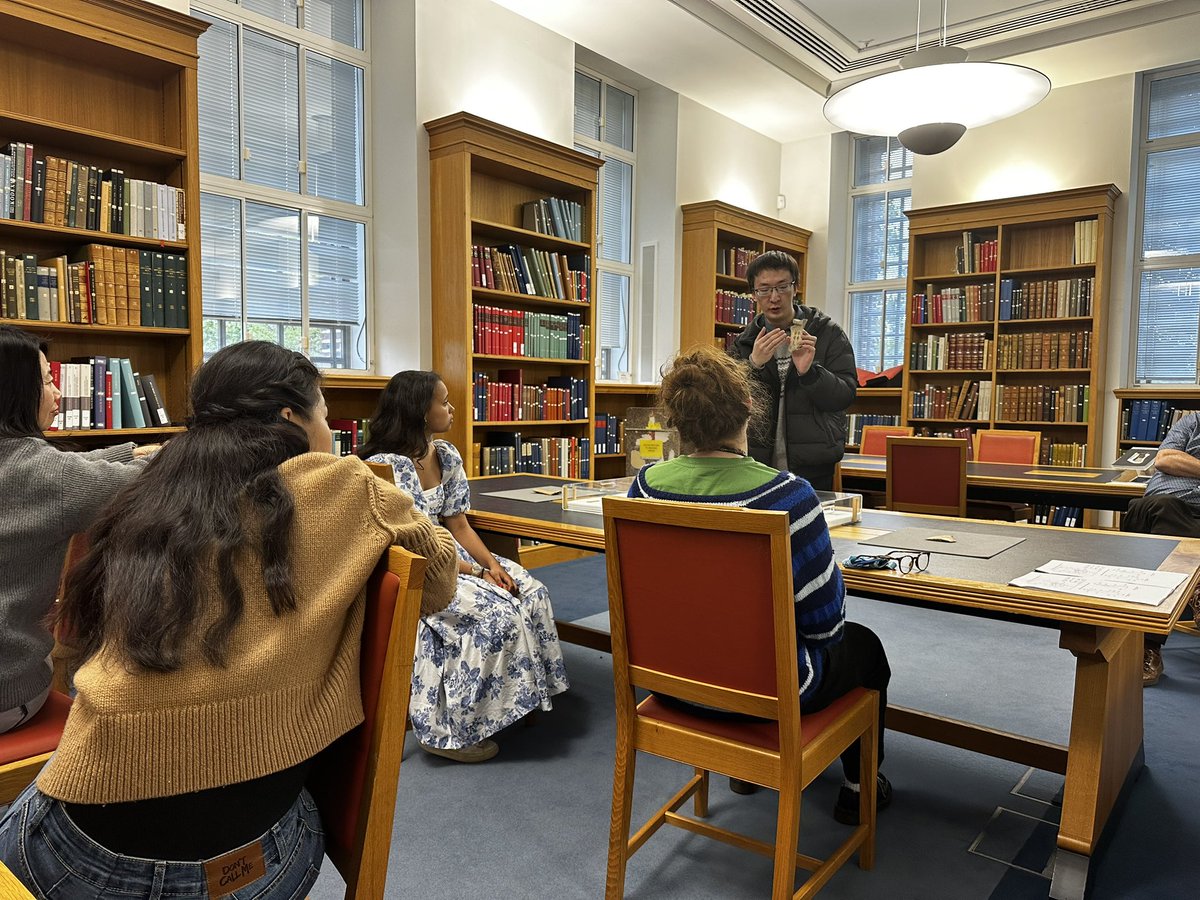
(1104, 751)
(1092, 488)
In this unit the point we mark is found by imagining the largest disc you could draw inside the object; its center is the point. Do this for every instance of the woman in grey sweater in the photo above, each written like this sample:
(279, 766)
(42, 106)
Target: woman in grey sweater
(49, 495)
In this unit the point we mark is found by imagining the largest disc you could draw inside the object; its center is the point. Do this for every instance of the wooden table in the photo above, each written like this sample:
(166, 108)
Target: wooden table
(1105, 750)
(10, 888)
(1092, 488)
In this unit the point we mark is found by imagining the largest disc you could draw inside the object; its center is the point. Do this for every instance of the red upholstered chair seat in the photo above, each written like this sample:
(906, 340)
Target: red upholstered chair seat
(40, 734)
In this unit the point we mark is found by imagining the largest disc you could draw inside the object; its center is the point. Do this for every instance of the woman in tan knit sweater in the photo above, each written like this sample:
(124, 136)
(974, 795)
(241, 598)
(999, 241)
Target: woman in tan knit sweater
(218, 618)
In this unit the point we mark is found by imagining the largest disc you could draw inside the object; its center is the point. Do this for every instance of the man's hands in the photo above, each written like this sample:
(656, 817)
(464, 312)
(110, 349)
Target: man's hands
(770, 340)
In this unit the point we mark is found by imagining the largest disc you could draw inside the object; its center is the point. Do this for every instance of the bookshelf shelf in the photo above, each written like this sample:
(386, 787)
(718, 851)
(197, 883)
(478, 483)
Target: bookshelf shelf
(107, 434)
(66, 137)
(610, 456)
(871, 406)
(110, 84)
(1035, 240)
(484, 174)
(1136, 413)
(533, 301)
(615, 398)
(710, 231)
(36, 231)
(527, 237)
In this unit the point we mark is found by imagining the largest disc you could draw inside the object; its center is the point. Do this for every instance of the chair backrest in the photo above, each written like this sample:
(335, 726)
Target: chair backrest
(927, 475)
(874, 438)
(354, 779)
(24, 750)
(999, 446)
(383, 470)
(701, 605)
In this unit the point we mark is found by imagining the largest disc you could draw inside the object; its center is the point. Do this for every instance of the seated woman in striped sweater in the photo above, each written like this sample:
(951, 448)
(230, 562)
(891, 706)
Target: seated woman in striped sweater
(707, 396)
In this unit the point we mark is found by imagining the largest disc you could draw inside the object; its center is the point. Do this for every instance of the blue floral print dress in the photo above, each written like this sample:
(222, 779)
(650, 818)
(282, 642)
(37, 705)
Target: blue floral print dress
(488, 658)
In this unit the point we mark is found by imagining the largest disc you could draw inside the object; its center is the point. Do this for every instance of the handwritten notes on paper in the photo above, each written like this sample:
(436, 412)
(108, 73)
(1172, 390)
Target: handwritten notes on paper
(1144, 586)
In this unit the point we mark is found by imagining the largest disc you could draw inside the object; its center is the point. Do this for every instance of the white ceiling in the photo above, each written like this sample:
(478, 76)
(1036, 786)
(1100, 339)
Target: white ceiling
(770, 63)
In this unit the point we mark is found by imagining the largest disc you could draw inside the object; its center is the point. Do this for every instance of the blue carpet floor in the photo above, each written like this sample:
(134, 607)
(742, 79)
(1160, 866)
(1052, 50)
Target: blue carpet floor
(533, 823)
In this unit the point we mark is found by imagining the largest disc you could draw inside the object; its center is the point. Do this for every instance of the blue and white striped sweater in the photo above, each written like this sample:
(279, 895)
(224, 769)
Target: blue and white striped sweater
(816, 579)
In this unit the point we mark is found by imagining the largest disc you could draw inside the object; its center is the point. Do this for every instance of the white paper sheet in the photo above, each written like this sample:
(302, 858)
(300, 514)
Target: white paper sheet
(1125, 574)
(1147, 594)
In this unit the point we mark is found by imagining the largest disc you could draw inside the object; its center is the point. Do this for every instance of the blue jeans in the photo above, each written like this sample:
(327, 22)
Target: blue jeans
(54, 859)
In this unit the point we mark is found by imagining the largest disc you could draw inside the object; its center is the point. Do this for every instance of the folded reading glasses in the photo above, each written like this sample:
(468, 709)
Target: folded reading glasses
(903, 561)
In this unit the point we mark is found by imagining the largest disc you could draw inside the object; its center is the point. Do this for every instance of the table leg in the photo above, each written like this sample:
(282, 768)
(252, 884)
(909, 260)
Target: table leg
(1105, 752)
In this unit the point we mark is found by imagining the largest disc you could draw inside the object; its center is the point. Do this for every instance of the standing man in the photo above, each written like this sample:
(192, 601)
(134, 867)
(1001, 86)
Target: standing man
(1171, 505)
(811, 386)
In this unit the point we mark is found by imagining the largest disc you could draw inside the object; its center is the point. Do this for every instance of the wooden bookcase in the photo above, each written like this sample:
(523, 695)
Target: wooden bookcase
(108, 83)
(711, 230)
(1169, 398)
(615, 398)
(480, 176)
(1034, 241)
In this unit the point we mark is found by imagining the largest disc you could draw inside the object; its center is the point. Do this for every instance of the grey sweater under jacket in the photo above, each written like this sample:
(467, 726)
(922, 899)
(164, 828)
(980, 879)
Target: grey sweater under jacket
(49, 495)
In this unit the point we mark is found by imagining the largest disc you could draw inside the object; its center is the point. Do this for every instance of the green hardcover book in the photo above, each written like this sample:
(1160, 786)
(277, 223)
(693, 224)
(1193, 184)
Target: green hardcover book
(146, 286)
(158, 290)
(32, 306)
(171, 291)
(181, 291)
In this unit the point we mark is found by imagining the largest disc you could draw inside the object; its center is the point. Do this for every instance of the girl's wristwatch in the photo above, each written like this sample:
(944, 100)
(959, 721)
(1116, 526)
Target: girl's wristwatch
(476, 569)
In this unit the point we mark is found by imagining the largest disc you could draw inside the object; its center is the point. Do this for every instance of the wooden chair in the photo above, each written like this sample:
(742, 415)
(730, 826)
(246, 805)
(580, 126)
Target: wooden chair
(10, 888)
(384, 471)
(874, 438)
(927, 475)
(24, 750)
(354, 779)
(995, 445)
(672, 606)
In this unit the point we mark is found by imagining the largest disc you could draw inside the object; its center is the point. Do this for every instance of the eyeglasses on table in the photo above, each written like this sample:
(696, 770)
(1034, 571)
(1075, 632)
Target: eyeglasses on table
(900, 560)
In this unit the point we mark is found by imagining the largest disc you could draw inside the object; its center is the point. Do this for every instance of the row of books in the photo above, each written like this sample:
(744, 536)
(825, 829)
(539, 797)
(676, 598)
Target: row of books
(975, 254)
(857, 421)
(1084, 250)
(506, 398)
(1149, 420)
(733, 308)
(1046, 299)
(554, 216)
(104, 285)
(349, 435)
(1043, 402)
(969, 350)
(69, 194)
(530, 271)
(610, 433)
(1062, 453)
(507, 453)
(1065, 516)
(515, 332)
(970, 303)
(726, 342)
(101, 392)
(734, 260)
(1046, 350)
(969, 401)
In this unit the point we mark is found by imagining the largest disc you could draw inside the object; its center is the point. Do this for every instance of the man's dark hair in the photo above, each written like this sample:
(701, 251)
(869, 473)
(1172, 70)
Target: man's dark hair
(769, 261)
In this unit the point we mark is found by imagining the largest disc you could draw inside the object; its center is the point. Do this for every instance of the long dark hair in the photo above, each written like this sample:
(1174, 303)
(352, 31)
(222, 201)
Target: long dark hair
(20, 382)
(145, 584)
(398, 425)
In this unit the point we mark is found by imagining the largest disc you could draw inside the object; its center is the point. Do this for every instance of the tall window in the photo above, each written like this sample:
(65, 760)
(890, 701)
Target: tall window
(285, 222)
(880, 191)
(604, 117)
(1167, 268)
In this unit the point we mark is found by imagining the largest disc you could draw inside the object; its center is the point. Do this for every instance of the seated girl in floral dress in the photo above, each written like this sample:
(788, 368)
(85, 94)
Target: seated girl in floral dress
(491, 655)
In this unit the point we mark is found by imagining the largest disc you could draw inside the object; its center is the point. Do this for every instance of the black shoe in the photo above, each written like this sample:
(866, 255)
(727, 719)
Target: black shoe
(742, 787)
(846, 808)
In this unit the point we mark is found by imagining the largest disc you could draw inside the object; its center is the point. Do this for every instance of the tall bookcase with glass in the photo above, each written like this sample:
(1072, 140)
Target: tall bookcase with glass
(284, 202)
(880, 194)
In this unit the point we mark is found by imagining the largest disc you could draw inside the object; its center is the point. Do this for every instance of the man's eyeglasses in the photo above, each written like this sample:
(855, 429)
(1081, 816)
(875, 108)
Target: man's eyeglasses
(902, 561)
(784, 289)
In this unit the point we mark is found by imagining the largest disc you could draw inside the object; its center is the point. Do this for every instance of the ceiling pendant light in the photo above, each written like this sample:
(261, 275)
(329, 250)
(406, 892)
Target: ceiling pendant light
(935, 96)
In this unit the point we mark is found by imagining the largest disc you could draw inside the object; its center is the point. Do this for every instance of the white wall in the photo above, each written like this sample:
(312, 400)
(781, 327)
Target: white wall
(1079, 135)
(805, 182)
(720, 159)
(177, 5)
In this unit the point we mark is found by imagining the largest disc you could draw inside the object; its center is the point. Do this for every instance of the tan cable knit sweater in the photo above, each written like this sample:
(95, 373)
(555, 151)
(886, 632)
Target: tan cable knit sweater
(290, 686)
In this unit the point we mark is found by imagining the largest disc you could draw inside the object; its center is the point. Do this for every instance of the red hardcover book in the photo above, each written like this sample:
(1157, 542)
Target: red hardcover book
(108, 398)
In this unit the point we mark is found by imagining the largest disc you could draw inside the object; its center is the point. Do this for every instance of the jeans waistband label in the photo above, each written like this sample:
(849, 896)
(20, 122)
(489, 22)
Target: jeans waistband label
(235, 870)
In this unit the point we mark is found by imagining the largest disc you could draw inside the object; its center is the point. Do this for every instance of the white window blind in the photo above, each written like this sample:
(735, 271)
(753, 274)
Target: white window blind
(285, 220)
(587, 106)
(878, 264)
(616, 210)
(1167, 271)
